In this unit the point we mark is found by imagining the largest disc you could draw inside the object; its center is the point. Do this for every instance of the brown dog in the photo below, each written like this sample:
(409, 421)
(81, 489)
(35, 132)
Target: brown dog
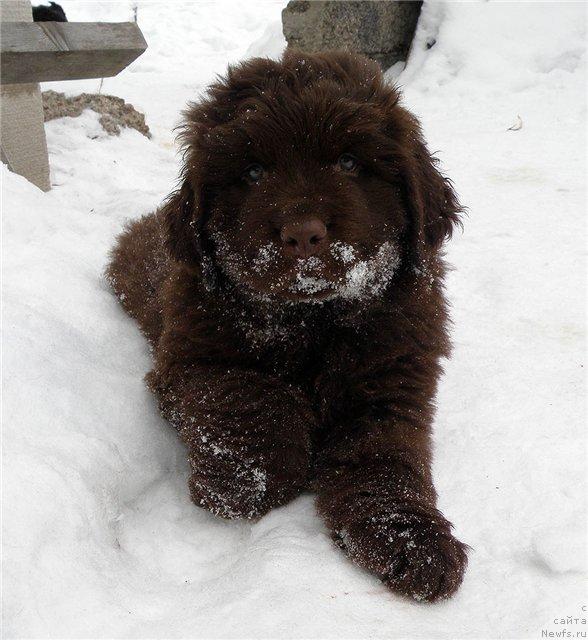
(292, 290)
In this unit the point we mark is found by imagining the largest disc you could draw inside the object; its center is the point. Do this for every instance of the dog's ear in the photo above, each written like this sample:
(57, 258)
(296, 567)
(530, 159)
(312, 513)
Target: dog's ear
(430, 197)
(182, 220)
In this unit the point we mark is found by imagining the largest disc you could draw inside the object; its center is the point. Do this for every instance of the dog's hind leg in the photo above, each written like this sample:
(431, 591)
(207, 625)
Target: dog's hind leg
(138, 266)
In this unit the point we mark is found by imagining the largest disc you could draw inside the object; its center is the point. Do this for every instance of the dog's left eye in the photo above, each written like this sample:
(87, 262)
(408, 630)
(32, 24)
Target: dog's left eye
(253, 173)
(347, 162)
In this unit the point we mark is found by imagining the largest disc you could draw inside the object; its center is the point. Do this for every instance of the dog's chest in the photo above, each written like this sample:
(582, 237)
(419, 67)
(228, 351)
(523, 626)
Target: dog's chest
(291, 347)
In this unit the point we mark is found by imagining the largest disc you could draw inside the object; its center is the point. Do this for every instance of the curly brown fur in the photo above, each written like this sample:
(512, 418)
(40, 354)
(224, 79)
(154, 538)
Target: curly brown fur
(292, 291)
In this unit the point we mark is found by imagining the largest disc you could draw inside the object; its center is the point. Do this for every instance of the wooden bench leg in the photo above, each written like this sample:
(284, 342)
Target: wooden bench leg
(23, 144)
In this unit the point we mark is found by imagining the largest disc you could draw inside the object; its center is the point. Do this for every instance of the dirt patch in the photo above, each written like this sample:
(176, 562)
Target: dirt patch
(114, 112)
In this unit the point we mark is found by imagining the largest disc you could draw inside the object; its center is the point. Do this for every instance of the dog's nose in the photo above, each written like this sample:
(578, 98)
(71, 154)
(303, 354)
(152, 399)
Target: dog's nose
(304, 239)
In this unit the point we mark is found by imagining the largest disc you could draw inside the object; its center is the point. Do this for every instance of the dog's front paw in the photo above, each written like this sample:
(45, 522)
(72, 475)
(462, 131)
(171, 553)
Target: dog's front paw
(413, 553)
(232, 493)
(427, 563)
(240, 483)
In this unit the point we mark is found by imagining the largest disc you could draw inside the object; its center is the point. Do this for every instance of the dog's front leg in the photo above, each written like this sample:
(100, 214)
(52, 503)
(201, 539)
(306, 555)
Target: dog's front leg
(247, 436)
(375, 489)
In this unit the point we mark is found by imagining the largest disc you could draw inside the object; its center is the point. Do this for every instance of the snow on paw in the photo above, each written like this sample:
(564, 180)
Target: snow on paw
(239, 483)
(233, 489)
(429, 565)
(413, 554)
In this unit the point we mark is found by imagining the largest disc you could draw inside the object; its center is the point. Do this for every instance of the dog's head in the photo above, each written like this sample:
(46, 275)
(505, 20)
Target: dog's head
(305, 180)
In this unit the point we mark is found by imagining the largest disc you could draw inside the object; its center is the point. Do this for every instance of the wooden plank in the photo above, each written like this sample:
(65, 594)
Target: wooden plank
(16, 11)
(45, 51)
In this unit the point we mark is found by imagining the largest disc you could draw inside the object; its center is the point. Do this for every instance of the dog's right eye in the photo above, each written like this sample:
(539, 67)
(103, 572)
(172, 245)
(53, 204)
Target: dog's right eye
(347, 163)
(253, 173)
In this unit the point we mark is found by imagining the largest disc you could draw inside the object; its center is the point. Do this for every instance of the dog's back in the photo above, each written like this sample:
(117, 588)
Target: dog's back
(138, 266)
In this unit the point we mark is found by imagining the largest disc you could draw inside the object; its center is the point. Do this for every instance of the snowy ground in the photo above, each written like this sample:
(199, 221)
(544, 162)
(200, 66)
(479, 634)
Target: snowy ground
(100, 539)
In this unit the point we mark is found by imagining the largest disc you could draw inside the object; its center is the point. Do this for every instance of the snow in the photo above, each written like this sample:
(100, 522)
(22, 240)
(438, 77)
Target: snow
(367, 278)
(342, 251)
(100, 539)
(265, 256)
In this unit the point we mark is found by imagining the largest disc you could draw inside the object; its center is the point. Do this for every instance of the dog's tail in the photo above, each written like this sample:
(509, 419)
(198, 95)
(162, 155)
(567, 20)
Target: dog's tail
(138, 265)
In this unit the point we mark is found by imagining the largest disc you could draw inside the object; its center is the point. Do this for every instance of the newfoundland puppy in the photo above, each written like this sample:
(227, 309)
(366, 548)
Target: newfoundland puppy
(292, 291)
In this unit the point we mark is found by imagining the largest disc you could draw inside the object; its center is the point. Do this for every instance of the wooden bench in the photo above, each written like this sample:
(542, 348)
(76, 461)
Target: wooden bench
(33, 52)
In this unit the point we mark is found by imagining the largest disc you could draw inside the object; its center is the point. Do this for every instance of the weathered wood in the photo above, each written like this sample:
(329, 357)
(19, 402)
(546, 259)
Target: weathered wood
(45, 51)
(23, 146)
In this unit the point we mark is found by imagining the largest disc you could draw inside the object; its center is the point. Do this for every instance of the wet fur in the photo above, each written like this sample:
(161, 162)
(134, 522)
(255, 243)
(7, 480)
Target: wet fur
(273, 396)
